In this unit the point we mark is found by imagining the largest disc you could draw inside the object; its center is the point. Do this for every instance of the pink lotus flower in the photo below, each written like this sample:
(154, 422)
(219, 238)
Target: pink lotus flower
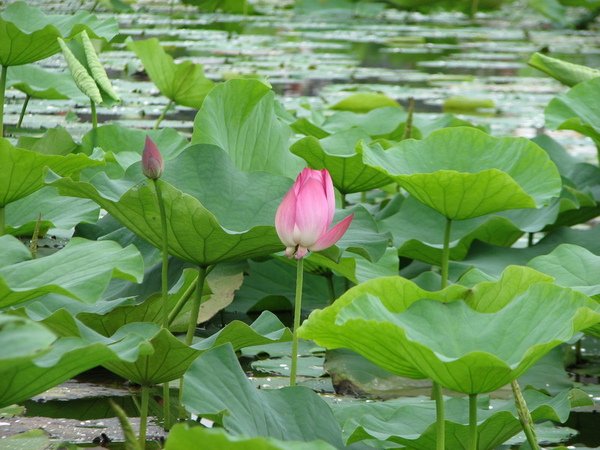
(305, 214)
(152, 161)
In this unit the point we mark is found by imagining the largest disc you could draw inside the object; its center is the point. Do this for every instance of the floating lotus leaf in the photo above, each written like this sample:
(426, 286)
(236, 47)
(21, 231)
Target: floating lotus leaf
(413, 425)
(215, 385)
(81, 270)
(184, 436)
(576, 110)
(27, 169)
(363, 102)
(28, 35)
(338, 154)
(567, 73)
(183, 83)
(464, 173)
(242, 117)
(467, 350)
(212, 215)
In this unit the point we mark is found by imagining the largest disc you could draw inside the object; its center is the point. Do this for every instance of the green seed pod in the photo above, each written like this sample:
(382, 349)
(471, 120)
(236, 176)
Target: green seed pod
(97, 71)
(83, 80)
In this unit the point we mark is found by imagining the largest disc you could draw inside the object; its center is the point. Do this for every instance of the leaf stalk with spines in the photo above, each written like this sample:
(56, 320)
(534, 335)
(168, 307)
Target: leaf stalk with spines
(197, 300)
(297, 314)
(524, 415)
(440, 428)
(144, 415)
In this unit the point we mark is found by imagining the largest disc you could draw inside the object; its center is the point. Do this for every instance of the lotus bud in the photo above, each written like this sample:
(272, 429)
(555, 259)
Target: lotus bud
(152, 161)
(305, 214)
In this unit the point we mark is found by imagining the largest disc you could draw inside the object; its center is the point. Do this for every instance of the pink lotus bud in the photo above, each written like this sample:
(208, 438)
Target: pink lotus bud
(152, 161)
(306, 212)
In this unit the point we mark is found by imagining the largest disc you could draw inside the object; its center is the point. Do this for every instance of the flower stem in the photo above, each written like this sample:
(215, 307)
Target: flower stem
(297, 313)
(2, 219)
(144, 415)
(440, 442)
(164, 292)
(446, 253)
(195, 305)
(23, 109)
(524, 415)
(472, 421)
(2, 92)
(163, 114)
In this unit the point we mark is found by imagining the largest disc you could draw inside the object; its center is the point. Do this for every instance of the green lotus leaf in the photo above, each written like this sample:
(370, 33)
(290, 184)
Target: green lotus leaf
(413, 425)
(183, 83)
(232, 222)
(363, 102)
(55, 141)
(226, 6)
(380, 122)
(36, 82)
(37, 360)
(338, 155)
(567, 73)
(28, 35)
(396, 293)
(13, 251)
(571, 266)
(216, 386)
(470, 351)
(464, 173)
(55, 211)
(27, 170)
(184, 436)
(576, 110)
(242, 117)
(81, 270)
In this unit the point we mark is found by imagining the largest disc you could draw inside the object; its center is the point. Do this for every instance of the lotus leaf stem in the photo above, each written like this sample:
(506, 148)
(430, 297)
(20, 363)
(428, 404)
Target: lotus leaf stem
(472, 421)
(182, 301)
(164, 290)
(524, 416)
(202, 271)
(408, 125)
(163, 114)
(331, 287)
(446, 253)
(94, 115)
(2, 219)
(23, 109)
(144, 415)
(33, 245)
(297, 313)
(440, 442)
(474, 8)
(2, 92)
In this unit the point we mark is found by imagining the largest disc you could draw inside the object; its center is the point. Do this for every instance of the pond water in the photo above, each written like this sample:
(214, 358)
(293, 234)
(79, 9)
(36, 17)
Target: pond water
(313, 61)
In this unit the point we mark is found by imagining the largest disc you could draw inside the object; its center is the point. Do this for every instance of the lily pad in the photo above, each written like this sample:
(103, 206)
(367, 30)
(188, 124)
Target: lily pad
(183, 83)
(292, 413)
(184, 436)
(29, 35)
(27, 170)
(464, 173)
(242, 117)
(364, 102)
(470, 351)
(81, 270)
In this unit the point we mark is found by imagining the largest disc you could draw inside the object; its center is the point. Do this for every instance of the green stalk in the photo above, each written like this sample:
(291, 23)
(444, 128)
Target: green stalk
(196, 305)
(94, 115)
(408, 127)
(331, 287)
(163, 114)
(2, 212)
(474, 8)
(524, 416)
(182, 301)
(446, 253)
(23, 109)
(33, 245)
(297, 313)
(2, 92)
(440, 442)
(144, 415)
(472, 421)
(164, 292)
